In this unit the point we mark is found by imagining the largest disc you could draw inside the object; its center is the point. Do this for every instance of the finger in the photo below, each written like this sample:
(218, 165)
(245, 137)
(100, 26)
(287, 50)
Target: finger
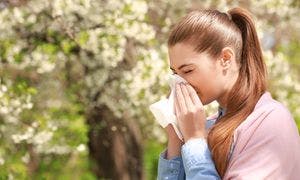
(169, 128)
(176, 105)
(193, 94)
(188, 101)
(180, 99)
(177, 113)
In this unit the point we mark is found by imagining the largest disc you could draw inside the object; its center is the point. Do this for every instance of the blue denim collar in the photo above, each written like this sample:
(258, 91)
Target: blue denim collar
(221, 111)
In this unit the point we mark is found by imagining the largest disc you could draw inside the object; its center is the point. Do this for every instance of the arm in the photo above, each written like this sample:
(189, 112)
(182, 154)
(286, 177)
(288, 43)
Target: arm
(195, 163)
(197, 160)
(170, 168)
(170, 164)
(195, 153)
(192, 122)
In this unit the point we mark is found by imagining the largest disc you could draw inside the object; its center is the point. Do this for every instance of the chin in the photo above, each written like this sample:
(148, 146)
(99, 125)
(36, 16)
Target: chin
(204, 100)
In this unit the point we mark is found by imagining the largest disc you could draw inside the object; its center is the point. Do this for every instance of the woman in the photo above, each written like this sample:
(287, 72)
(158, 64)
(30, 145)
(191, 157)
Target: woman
(253, 136)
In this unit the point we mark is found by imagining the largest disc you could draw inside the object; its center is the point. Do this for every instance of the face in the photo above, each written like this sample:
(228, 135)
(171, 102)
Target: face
(204, 73)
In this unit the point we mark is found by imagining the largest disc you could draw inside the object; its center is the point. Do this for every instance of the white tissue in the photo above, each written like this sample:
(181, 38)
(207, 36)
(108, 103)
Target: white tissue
(164, 110)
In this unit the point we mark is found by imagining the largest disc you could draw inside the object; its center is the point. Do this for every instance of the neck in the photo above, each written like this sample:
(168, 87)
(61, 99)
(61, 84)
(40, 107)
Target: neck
(222, 101)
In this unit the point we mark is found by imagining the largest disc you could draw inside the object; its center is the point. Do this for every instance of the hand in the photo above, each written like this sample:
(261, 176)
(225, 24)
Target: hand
(189, 112)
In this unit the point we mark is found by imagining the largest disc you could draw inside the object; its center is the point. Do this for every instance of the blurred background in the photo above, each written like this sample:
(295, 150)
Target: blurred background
(77, 77)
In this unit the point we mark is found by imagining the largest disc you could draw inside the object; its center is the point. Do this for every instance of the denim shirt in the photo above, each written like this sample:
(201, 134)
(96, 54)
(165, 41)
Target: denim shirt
(195, 161)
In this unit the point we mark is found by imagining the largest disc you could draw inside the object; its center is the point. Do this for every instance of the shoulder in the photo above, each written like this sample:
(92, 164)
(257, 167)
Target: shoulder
(277, 115)
(270, 114)
(270, 121)
(277, 122)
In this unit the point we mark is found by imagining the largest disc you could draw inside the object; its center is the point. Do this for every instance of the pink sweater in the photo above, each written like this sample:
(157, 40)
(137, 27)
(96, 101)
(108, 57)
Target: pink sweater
(266, 144)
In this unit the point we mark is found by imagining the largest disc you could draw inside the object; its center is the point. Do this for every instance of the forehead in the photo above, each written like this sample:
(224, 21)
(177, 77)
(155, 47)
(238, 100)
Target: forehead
(182, 53)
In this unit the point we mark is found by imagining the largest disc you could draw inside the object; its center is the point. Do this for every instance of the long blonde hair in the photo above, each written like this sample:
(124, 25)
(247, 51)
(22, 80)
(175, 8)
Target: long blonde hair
(211, 31)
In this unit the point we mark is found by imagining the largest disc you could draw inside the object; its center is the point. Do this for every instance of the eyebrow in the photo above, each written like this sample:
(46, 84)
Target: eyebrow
(183, 65)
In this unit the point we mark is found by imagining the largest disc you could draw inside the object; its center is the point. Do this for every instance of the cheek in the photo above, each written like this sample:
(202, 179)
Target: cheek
(207, 89)
(200, 82)
(205, 83)
(197, 81)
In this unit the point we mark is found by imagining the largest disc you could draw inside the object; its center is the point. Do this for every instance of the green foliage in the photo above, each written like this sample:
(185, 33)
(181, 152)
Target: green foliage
(151, 155)
(292, 51)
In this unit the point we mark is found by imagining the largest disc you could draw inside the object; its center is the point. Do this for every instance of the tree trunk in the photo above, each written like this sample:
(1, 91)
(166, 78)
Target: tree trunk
(115, 146)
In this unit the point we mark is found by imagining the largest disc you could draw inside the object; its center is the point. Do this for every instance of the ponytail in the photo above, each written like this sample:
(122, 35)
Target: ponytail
(252, 64)
(249, 87)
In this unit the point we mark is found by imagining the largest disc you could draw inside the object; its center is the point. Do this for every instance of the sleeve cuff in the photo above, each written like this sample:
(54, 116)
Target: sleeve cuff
(195, 152)
(169, 168)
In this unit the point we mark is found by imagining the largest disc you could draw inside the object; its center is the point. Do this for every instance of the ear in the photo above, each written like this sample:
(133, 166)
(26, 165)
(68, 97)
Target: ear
(226, 57)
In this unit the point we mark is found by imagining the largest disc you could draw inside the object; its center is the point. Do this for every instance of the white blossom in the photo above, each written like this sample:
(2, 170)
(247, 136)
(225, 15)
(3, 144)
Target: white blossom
(81, 148)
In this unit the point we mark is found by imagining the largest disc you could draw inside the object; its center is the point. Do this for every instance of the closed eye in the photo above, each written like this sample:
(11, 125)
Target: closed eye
(188, 71)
